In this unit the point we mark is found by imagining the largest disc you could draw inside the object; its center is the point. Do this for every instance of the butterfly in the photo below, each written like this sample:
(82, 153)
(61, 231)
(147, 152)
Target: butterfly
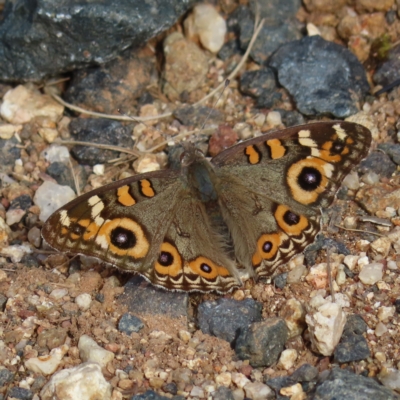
(251, 208)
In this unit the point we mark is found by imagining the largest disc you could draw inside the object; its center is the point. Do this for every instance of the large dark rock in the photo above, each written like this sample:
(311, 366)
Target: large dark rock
(44, 37)
(323, 77)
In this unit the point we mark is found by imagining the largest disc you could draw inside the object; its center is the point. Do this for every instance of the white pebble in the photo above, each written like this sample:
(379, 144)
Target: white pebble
(84, 382)
(371, 273)
(296, 273)
(205, 23)
(390, 378)
(50, 197)
(184, 335)
(14, 215)
(224, 379)
(380, 329)
(239, 379)
(386, 313)
(47, 365)
(287, 359)
(56, 153)
(258, 391)
(23, 103)
(98, 169)
(350, 261)
(326, 325)
(89, 350)
(83, 301)
(392, 265)
(58, 294)
(274, 118)
(352, 181)
(16, 252)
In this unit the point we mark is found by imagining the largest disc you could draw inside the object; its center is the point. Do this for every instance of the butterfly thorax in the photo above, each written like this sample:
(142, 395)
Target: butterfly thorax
(198, 175)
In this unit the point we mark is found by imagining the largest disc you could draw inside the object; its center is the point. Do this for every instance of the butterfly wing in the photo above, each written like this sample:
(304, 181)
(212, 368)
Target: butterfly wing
(150, 224)
(278, 182)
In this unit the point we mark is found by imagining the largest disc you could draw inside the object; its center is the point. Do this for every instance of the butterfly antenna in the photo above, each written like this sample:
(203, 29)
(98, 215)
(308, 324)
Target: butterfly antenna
(227, 82)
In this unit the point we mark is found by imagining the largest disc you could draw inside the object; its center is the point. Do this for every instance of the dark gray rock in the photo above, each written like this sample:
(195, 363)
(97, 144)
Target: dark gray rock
(62, 174)
(291, 118)
(110, 87)
(351, 348)
(230, 49)
(280, 280)
(397, 305)
(388, 71)
(22, 202)
(142, 298)
(343, 384)
(170, 388)
(149, 395)
(43, 38)
(3, 301)
(130, 323)
(225, 317)
(222, 393)
(262, 342)
(261, 84)
(323, 77)
(97, 130)
(392, 150)
(305, 373)
(9, 152)
(20, 393)
(378, 162)
(6, 376)
(355, 324)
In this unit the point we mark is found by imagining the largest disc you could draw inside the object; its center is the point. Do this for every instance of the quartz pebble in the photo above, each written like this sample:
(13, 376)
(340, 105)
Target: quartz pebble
(287, 359)
(207, 25)
(371, 273)
(390, 377)
(224, 379)
(58, 294)
(89, 350)
(258, 391)
(380, 329)
(325, 322)
(50, 197)
(386, 313)
(47, 365)
(16, 252)
(84, 382)
(83, 301)
(56, 153)
(23, 103)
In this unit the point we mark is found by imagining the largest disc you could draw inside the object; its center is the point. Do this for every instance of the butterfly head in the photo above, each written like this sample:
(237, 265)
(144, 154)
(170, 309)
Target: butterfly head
(191, 155)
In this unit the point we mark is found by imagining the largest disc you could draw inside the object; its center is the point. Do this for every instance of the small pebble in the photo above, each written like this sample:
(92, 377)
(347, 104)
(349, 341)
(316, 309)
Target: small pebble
(58, 294)
(371, 273)
(185, 336)
(89, 350)
(98, 169)
(287, 359)
(258, 391)
(224, 379)
(386, 313)
(130, 323)
(380, 329)
(274, 118)
(83, 301)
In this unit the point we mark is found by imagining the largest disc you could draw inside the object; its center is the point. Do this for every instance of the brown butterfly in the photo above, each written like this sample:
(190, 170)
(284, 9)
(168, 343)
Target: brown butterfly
(254, 206)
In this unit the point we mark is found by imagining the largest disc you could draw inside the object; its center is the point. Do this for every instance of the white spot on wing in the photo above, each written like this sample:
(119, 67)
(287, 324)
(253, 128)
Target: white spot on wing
(304, 133)
(64, 219)
(307, 142)
(340, 131)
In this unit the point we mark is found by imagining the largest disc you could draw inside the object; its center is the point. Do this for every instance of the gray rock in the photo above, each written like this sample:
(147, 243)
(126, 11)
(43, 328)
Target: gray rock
(149, 395)
(20, 393)
(6, 376)
(43, 38)
(392, 150)
(62, 174)
(9, 152)
(97, 130)
(261, 84)
(343, 384)
(388, 71)
(351, 348)
(225, 317)
(130, 323)
(262, 342)
(323, 77)
(222, 393)
(378, 162)
(143, 298)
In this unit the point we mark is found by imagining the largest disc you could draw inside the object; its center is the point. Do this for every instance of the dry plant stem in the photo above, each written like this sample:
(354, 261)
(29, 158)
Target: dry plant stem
(358, 230)
(100, 146)
(76, 183)
(257, 29)
(329, 271)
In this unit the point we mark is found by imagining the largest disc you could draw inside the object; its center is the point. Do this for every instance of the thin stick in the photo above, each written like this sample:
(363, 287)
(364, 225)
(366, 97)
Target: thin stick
(328, 267)
(358, 230)
(100, 146)
(75, 178)
(257, 29)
